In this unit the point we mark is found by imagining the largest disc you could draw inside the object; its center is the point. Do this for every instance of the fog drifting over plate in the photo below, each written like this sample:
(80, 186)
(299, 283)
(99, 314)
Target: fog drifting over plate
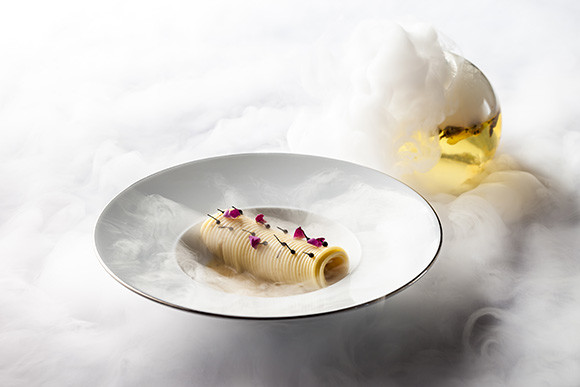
(96, 96)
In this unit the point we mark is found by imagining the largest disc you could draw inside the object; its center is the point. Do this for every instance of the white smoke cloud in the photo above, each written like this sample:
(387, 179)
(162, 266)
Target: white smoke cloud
(94, 97)
(382, 91)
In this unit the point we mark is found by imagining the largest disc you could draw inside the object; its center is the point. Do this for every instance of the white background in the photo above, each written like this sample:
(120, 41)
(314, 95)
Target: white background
(95, 95)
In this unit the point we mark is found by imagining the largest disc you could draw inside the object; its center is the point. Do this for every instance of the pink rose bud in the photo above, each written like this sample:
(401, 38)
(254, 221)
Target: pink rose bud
(299, 233)
(255, 241)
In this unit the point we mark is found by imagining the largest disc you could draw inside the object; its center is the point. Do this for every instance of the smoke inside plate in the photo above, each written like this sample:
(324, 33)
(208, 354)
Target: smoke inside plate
(154, 246)
(398, 100)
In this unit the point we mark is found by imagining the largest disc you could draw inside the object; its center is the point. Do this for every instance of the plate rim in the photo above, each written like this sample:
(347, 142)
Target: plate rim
(265, 318)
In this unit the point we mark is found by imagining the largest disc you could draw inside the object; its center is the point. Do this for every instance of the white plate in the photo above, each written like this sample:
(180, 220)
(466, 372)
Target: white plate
(392, 234)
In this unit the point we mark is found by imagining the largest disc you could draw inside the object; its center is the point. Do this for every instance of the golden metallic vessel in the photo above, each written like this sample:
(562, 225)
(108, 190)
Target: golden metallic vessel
(469, 135)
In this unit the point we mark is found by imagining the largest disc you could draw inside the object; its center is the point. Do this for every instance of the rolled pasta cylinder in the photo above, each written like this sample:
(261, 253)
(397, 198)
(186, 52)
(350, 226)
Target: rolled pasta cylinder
(229, 240)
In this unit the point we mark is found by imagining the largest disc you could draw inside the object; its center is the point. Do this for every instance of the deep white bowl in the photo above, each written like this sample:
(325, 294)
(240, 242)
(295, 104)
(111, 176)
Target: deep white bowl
(391, 233)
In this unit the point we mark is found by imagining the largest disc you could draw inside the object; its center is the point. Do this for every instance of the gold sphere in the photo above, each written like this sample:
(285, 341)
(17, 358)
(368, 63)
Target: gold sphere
(469, 135)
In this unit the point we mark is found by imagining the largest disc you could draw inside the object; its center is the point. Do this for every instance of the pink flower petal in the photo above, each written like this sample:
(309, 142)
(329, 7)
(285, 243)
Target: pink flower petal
(255, 241)
(315, 242)
(232, 214)
(260, 218)
(299, 233)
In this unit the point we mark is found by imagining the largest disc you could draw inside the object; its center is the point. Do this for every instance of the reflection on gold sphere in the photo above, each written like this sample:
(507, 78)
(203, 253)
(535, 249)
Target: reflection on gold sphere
(469, 135)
